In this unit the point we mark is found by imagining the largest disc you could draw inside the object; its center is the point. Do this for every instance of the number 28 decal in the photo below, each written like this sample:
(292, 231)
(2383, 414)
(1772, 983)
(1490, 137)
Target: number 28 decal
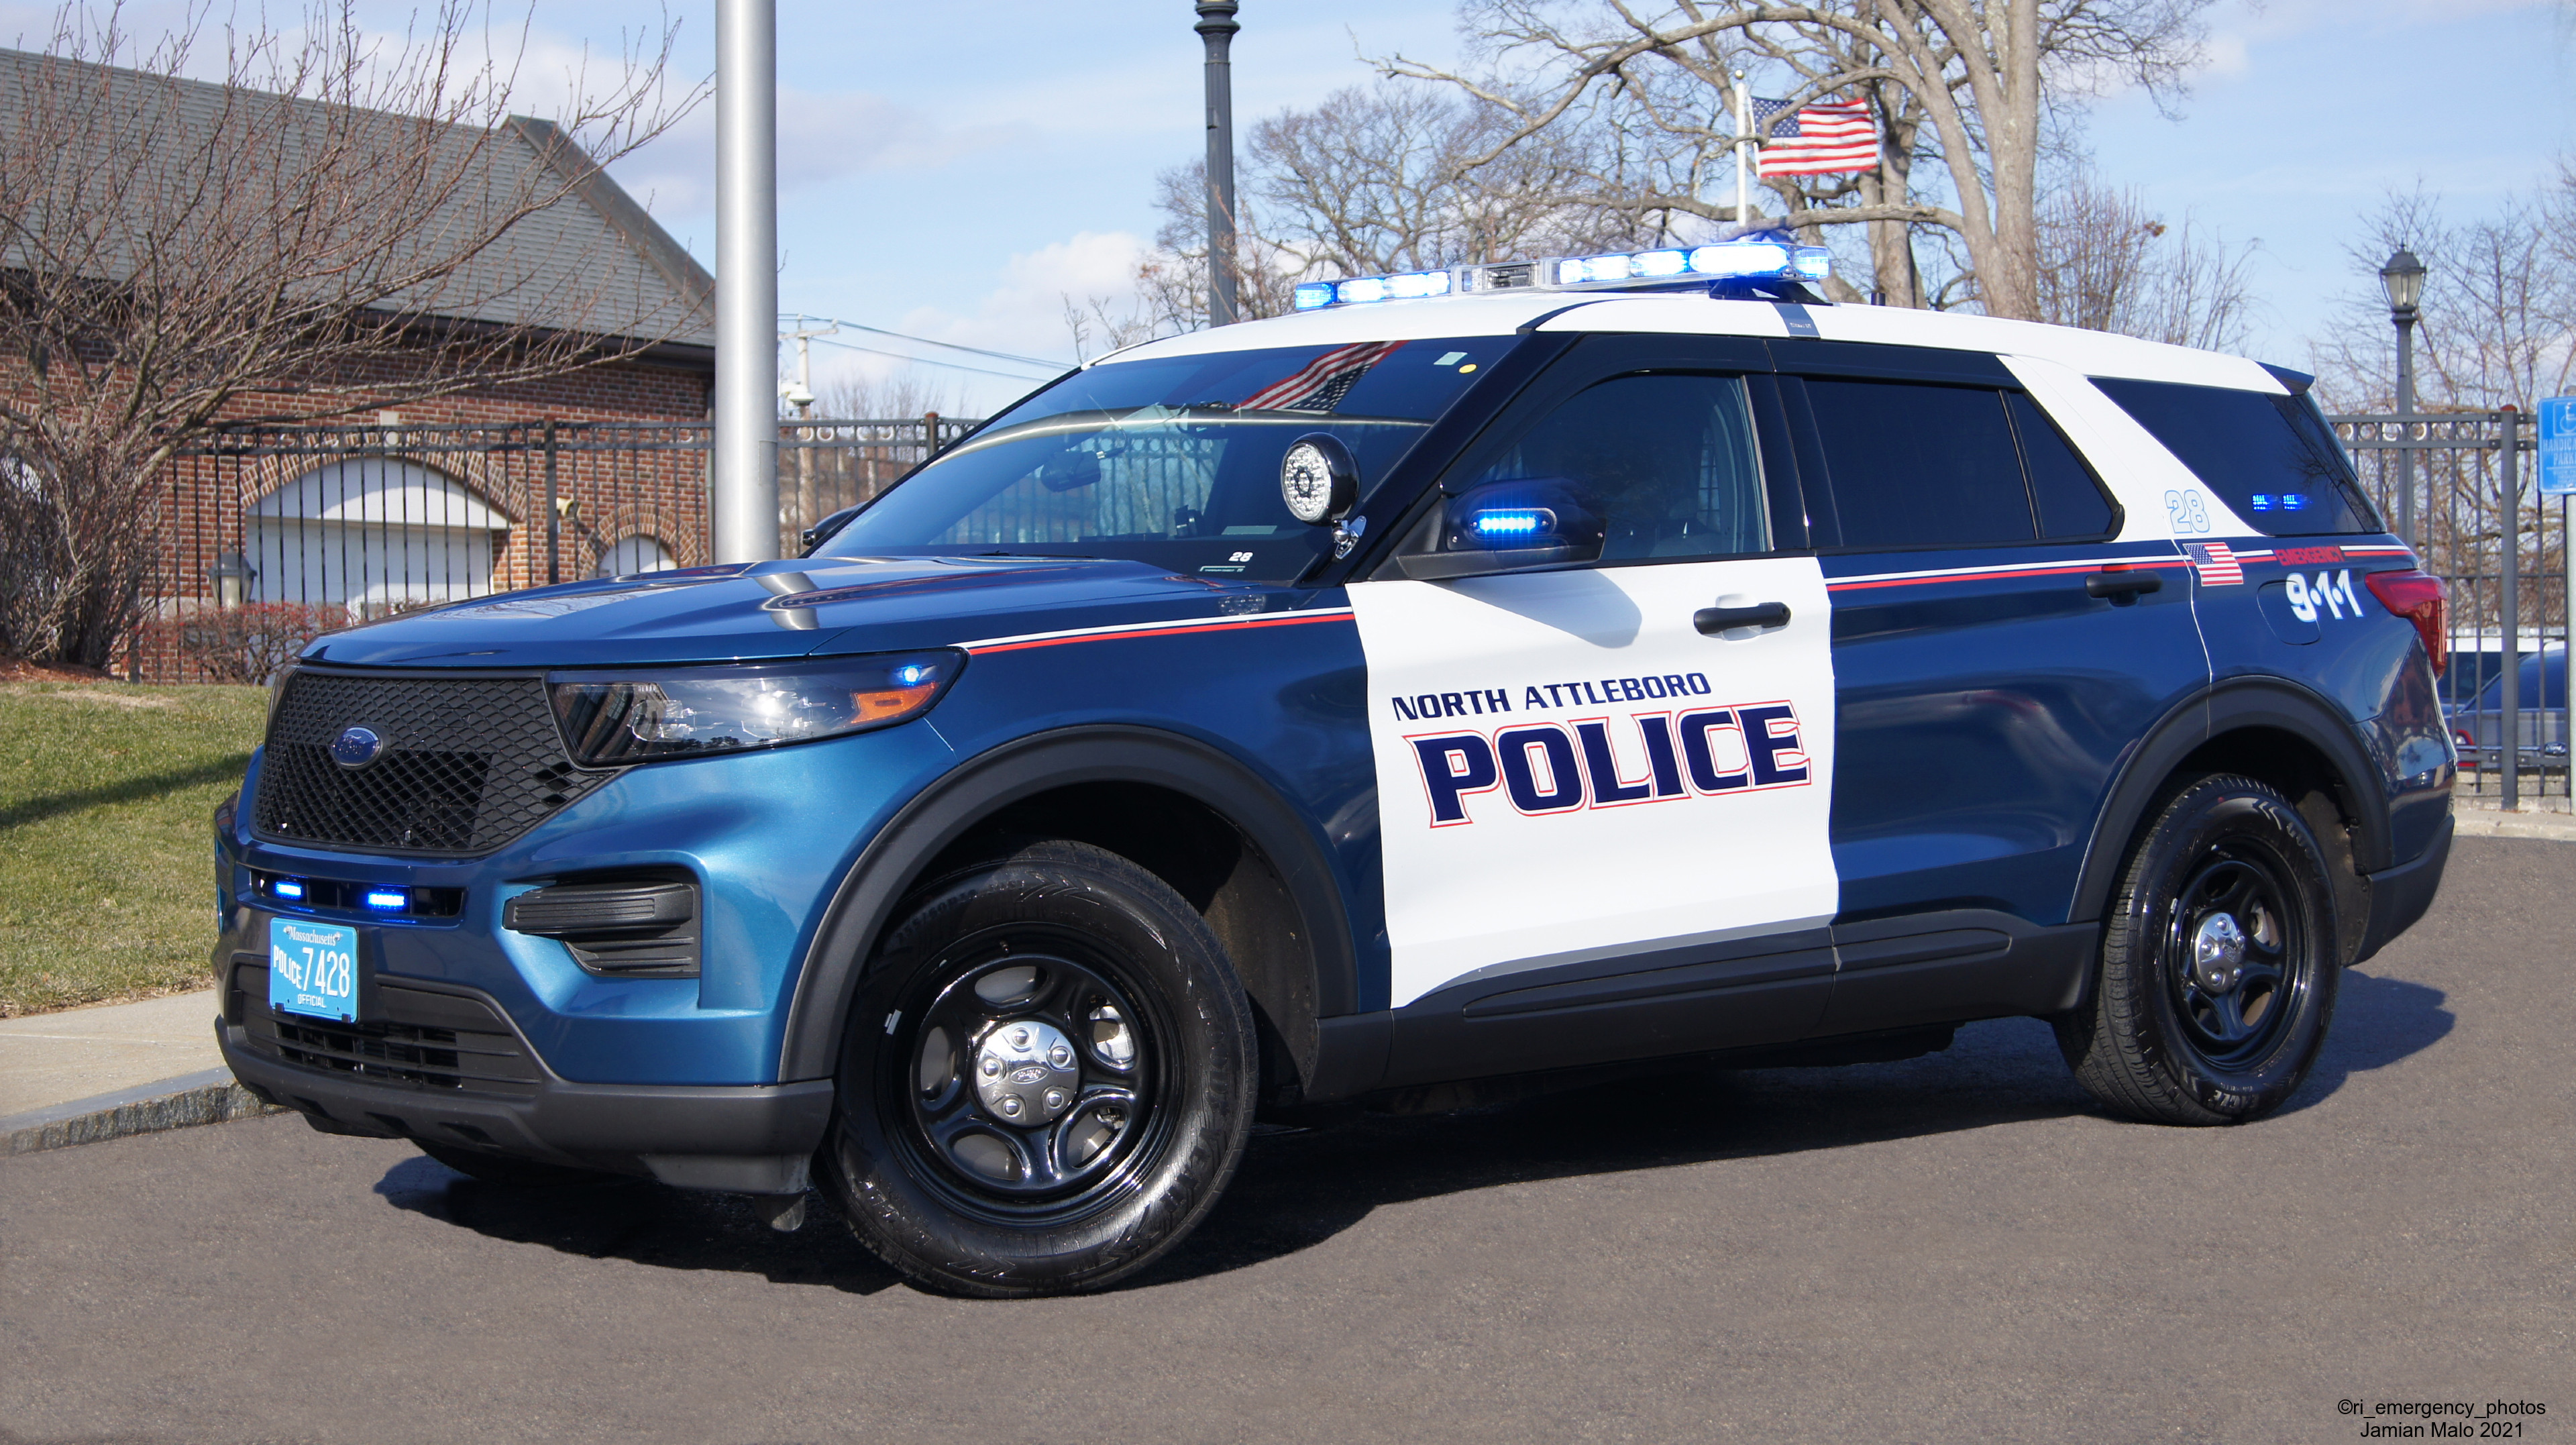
(2185, 510)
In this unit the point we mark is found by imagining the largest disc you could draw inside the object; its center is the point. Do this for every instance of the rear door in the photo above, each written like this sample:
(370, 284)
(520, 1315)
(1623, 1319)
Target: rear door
(2001, 642)
(1604, 828)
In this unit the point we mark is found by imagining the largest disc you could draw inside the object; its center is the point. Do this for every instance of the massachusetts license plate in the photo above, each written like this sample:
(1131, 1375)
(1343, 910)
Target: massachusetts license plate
(313, 969)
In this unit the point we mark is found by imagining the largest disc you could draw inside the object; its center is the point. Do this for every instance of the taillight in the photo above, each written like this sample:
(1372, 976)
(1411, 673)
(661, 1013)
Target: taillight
(2422, 600)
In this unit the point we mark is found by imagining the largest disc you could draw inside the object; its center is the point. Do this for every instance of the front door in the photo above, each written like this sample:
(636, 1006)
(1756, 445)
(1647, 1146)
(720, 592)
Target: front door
(1602, 781)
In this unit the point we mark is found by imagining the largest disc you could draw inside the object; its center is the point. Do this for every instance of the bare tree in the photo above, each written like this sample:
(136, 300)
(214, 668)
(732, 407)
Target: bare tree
(1384, 178)
(1963, 91)
(2106, 263)
(323, 231)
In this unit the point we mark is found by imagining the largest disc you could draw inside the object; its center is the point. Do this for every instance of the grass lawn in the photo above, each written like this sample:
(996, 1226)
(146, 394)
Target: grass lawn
(107, 885)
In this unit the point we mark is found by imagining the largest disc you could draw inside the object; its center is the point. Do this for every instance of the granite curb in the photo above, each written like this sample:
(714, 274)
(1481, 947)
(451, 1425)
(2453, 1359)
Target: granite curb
(2530, 823)
(210, 1096)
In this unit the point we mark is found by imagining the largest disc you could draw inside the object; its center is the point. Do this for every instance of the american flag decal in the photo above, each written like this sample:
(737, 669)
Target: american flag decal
(2217, 565)
(1324, 381)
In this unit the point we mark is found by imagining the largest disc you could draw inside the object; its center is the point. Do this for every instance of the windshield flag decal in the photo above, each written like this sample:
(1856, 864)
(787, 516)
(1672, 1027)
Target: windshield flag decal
(1324, 381)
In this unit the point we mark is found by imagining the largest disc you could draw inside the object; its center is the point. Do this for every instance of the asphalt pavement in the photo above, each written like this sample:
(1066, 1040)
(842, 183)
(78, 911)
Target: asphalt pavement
(1948, 1248)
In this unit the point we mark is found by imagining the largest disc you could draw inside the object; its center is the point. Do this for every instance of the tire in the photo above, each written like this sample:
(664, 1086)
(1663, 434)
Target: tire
(2218, 967)
(1048, 1078)
(511, 1172)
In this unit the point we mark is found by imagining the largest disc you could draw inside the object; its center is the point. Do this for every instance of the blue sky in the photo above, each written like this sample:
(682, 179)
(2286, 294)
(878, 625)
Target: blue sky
(956, 171)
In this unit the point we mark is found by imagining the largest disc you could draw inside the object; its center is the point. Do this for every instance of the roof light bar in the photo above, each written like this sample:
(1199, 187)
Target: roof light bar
(1750, 259)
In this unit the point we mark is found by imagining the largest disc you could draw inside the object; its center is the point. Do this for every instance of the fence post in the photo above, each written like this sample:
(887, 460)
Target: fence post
(554, 514)
(2509, 722)
(929, 435)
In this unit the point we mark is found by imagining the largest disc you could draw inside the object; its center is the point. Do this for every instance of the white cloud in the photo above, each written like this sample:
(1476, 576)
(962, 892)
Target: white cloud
(821, 138)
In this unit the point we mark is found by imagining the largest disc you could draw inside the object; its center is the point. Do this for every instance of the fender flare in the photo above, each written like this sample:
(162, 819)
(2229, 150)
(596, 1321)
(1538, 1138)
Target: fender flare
(2254, 702)
(892, 863)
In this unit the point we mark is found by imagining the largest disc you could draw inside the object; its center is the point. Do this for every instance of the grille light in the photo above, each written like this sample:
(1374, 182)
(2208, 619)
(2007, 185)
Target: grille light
(287, 888)
(388, 900)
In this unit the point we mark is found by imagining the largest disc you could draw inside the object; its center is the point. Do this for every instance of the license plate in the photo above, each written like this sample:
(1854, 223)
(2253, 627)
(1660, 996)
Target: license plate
(313, 969)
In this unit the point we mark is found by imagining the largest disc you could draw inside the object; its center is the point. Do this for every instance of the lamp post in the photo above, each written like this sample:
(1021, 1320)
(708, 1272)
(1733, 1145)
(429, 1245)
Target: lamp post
(1217, 27)
(2402, 278)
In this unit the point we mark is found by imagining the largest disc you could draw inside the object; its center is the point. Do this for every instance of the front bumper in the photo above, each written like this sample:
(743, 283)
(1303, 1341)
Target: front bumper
(447, 1066)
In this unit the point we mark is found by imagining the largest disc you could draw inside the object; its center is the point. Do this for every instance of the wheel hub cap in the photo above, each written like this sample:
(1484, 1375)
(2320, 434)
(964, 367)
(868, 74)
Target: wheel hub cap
(2218, 953)
(1025, 1074)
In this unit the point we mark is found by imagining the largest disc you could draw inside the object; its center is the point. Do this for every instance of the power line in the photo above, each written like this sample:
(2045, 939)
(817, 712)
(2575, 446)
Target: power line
(932, 361)
(951, 345)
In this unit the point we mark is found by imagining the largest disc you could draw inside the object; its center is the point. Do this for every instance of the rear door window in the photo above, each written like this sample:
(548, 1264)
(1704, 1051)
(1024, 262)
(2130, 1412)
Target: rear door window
(1909, 464)
(2269, 457)
(2070, 502)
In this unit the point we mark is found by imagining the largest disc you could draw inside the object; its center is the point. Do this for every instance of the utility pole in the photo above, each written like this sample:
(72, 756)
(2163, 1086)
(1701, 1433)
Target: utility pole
(1217, 27)
(746, 444)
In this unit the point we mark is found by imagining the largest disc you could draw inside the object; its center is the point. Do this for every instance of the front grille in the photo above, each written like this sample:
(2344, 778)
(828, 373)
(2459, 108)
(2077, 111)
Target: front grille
(425, 1040)
(468, 764)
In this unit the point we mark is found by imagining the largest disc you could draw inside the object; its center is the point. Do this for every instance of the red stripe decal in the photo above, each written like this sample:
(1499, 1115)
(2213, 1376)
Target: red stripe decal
(2142, 564)
(1176, 630)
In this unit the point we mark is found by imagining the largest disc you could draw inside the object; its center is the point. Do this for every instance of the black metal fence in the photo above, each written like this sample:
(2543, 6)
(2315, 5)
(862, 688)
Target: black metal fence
(2459, 487)
(277, 534)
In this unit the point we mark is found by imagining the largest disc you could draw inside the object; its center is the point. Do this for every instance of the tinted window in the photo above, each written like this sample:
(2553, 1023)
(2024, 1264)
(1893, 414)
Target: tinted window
(1173, 461)
(2268, 457)
(1664, 466)
(2070, 501)
(1911, 465)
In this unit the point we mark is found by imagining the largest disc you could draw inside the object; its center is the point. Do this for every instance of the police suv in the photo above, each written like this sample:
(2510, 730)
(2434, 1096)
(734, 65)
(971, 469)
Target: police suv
(1550, 670)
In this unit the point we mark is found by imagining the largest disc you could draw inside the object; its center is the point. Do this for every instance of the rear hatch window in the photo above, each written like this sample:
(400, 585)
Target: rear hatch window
(2271, 458)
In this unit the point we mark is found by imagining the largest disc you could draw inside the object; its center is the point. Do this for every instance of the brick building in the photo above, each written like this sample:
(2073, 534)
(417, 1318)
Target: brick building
(385, 507)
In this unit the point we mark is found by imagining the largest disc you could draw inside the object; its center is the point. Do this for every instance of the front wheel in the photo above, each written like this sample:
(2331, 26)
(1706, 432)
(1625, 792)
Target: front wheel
(1048, 1077)
(2218, 966)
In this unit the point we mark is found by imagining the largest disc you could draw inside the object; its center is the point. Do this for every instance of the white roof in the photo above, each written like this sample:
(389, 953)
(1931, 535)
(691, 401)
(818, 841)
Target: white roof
(2092, 353)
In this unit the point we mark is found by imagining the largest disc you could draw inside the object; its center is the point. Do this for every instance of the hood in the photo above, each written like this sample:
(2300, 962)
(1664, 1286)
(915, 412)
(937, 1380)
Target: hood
(758, 610)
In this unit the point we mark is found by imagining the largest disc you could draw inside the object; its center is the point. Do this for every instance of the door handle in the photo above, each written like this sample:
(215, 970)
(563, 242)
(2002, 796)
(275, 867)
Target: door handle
(1713, 620)
(2122, 586)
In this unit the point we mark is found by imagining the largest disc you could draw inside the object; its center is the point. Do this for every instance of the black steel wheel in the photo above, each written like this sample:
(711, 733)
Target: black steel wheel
(1048, 1077)
(2218, 965)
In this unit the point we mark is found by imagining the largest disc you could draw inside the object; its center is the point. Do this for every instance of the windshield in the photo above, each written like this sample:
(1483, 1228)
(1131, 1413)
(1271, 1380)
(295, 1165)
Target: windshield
(2529, 684)
(1172, 461)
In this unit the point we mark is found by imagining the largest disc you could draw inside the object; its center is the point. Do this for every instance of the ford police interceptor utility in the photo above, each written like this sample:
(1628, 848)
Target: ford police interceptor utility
(1508, 671)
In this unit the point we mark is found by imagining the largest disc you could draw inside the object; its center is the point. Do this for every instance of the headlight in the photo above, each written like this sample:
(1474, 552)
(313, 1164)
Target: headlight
(637, 717)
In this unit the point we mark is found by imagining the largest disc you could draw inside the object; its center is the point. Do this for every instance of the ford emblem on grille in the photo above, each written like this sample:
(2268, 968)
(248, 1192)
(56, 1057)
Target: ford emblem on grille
(356, 747)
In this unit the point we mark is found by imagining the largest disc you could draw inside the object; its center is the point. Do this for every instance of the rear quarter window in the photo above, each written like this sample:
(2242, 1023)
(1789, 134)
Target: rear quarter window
(2271, 458)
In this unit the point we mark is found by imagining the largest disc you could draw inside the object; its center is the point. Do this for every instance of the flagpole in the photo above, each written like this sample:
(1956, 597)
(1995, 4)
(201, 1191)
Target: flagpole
(1743, 145)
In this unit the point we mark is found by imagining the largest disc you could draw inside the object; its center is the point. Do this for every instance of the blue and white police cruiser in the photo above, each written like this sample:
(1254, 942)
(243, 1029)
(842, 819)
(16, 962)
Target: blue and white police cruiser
(1611, 663)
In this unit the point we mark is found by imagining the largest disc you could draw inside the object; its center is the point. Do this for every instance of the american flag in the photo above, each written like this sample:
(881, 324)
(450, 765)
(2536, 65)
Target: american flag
(1821, 139)
(1322, 383)
(2216, 564)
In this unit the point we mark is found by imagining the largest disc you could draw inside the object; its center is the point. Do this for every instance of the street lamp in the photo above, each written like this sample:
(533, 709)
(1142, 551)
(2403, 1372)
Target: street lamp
(232, 575)
(2402, 278)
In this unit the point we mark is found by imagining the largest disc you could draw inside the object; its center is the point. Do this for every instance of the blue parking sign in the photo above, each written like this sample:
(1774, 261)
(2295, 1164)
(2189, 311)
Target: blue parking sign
(2558, 446)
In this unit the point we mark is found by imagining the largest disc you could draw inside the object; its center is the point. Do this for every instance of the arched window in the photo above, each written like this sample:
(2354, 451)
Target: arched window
(630, 555)
(373, 533)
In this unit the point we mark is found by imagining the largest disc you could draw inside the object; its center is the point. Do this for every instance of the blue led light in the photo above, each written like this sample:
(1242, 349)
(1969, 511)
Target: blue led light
(1659, 263)
(911, 674)
(388, 899)
(1311, 294)
(1361, 288)
(1508, 524)
(287, 888)
(2293, 501)
(2262, 501)
(1741, 258)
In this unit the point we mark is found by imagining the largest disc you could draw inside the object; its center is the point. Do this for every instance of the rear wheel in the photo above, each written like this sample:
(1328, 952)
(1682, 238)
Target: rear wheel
(2218, 966)
(1048, 1078)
